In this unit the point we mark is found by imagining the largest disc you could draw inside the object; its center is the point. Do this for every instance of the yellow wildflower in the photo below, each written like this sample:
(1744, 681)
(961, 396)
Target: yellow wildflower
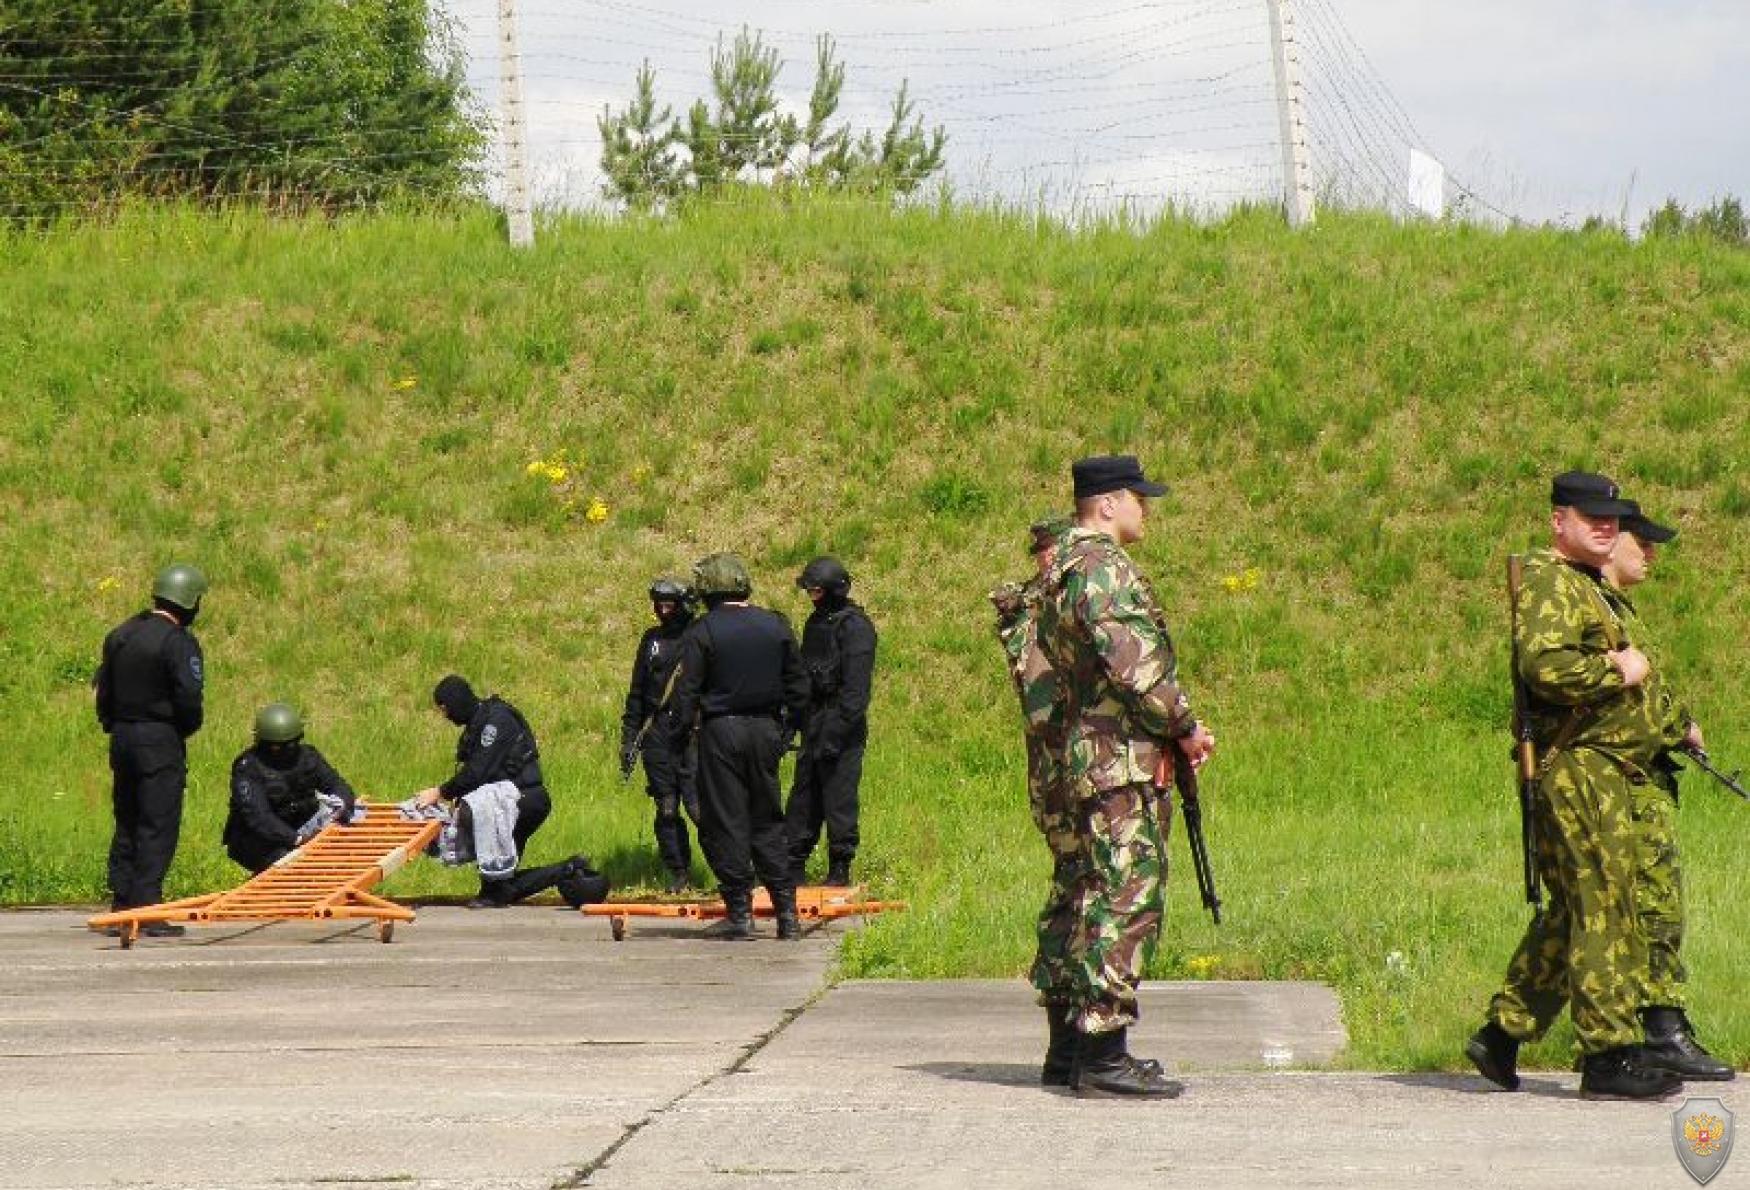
(406, 382)
(108, 582)
(597, 511)
(1246, 580)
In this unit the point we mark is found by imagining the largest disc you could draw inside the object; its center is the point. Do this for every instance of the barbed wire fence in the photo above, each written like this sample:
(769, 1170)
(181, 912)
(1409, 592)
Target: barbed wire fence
(1141, 107)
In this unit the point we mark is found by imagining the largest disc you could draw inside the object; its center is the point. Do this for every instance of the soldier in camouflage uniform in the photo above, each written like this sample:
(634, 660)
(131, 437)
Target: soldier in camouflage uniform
(1042, 717)
(1671, 1043)
(1104, 635)
(1582, 677)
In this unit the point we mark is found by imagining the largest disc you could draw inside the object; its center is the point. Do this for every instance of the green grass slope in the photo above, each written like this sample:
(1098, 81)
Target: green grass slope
(337, 420)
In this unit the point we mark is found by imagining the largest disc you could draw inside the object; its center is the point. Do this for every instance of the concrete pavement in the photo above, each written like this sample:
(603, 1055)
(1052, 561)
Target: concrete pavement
(524, 1049)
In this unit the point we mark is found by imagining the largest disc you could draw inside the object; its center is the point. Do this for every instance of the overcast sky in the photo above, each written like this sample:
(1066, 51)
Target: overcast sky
(1547, 109)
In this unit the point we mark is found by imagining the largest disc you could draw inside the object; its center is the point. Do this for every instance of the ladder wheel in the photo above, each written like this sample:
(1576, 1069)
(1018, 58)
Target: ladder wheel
(385, 931)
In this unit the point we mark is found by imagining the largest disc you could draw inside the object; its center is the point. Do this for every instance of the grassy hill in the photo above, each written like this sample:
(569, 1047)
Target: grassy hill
(338, 420)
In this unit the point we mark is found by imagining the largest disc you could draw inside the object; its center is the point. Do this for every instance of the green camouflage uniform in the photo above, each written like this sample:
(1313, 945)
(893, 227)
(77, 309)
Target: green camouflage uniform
(1658, 873)
(1042, 716)
(1586, 949)
(1102, 630)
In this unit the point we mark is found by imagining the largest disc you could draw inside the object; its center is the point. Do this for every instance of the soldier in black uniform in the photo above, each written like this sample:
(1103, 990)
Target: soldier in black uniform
(274, 788)
(742, 679)
(838, 650)
(496, 745)
(668, 776)
(149, 689)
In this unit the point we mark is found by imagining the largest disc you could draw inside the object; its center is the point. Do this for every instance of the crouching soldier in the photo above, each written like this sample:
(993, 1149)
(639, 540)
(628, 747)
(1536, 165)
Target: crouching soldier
(283, 792)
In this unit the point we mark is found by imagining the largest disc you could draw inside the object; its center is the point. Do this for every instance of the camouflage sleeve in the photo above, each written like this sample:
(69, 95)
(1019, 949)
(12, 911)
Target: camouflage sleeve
(1562, 642)
(1134, 649)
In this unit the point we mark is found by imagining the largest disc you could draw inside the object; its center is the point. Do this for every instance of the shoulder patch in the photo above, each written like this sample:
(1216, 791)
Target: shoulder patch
(195, 668)
(488, 734)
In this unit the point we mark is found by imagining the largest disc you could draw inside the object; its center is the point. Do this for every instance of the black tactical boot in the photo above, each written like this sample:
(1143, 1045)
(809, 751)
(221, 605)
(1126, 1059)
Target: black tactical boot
(1105, 1069)
(1060, 1050)
(677, 882)
(784, 910)
(838, 873)
(1671, 1045)
(737, 923)
(1495, 1053)
(1620, 1074)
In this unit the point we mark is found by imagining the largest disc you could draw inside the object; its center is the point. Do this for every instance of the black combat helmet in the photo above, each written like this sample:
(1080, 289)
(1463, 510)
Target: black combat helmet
(829, 574)
(668, 589)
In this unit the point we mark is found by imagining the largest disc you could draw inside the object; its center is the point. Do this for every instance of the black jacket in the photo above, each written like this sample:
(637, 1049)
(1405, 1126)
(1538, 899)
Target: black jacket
(838, 650)
(497, 745)
(151, 672)
(270, 801)
(736, 659)
(659, 651)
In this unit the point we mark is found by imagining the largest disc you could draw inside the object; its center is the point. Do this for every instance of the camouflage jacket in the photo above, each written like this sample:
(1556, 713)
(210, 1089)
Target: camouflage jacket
(1567, 621)
(1102, 629)
(1041, 694)
(1666, 719)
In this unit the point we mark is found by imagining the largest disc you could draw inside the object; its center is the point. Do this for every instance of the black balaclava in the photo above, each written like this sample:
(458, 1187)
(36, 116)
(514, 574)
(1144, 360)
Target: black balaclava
(457, 699)
(675, 620)
(183, 615)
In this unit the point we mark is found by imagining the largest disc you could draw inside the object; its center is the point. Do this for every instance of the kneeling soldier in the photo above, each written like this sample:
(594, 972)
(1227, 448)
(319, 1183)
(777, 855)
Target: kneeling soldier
(282, 792)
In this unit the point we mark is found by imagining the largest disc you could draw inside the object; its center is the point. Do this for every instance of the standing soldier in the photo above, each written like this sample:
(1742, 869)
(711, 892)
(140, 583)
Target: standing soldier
(1671, 1043)
(1042, 719)
(838, 651)
(742, 679)
(278, 788)
(1582, 677)
(496, 744)
(1106, 637)
(149, 690)
(668, 776)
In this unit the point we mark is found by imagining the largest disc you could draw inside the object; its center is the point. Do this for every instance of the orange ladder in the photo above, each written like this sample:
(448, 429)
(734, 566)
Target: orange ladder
(814, 902)
(325, 878)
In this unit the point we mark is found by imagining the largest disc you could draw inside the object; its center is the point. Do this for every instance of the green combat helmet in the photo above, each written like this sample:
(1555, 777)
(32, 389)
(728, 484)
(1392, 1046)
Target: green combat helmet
(278, 723)
(721, 576)
(181, 585)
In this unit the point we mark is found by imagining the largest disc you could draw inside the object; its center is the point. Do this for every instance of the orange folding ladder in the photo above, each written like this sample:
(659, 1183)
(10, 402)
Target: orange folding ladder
(813, 903)
(325, 878)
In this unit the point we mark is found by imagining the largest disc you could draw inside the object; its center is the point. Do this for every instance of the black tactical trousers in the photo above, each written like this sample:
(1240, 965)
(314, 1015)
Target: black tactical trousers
(670, 781)
(150, 765)
(825, 791)
(741, 805)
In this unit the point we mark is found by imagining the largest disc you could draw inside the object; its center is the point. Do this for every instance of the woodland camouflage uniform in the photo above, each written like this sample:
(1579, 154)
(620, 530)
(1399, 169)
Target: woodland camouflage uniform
(1586, 950)
(1658, 874)
(1102, 630)
(1042, 718)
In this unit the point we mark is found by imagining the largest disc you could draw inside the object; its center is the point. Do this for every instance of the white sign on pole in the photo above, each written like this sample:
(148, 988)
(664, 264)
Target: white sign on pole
(1427, 185)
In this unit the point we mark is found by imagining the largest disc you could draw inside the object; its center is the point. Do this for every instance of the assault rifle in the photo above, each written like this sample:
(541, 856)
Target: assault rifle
(1730, 781)
(1176, 769)
(1524, 749)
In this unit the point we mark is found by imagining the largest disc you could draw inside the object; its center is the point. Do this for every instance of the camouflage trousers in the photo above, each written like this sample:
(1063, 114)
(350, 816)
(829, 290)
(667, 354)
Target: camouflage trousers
(1102, 917)
(1585, 951)
(1659, 895)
